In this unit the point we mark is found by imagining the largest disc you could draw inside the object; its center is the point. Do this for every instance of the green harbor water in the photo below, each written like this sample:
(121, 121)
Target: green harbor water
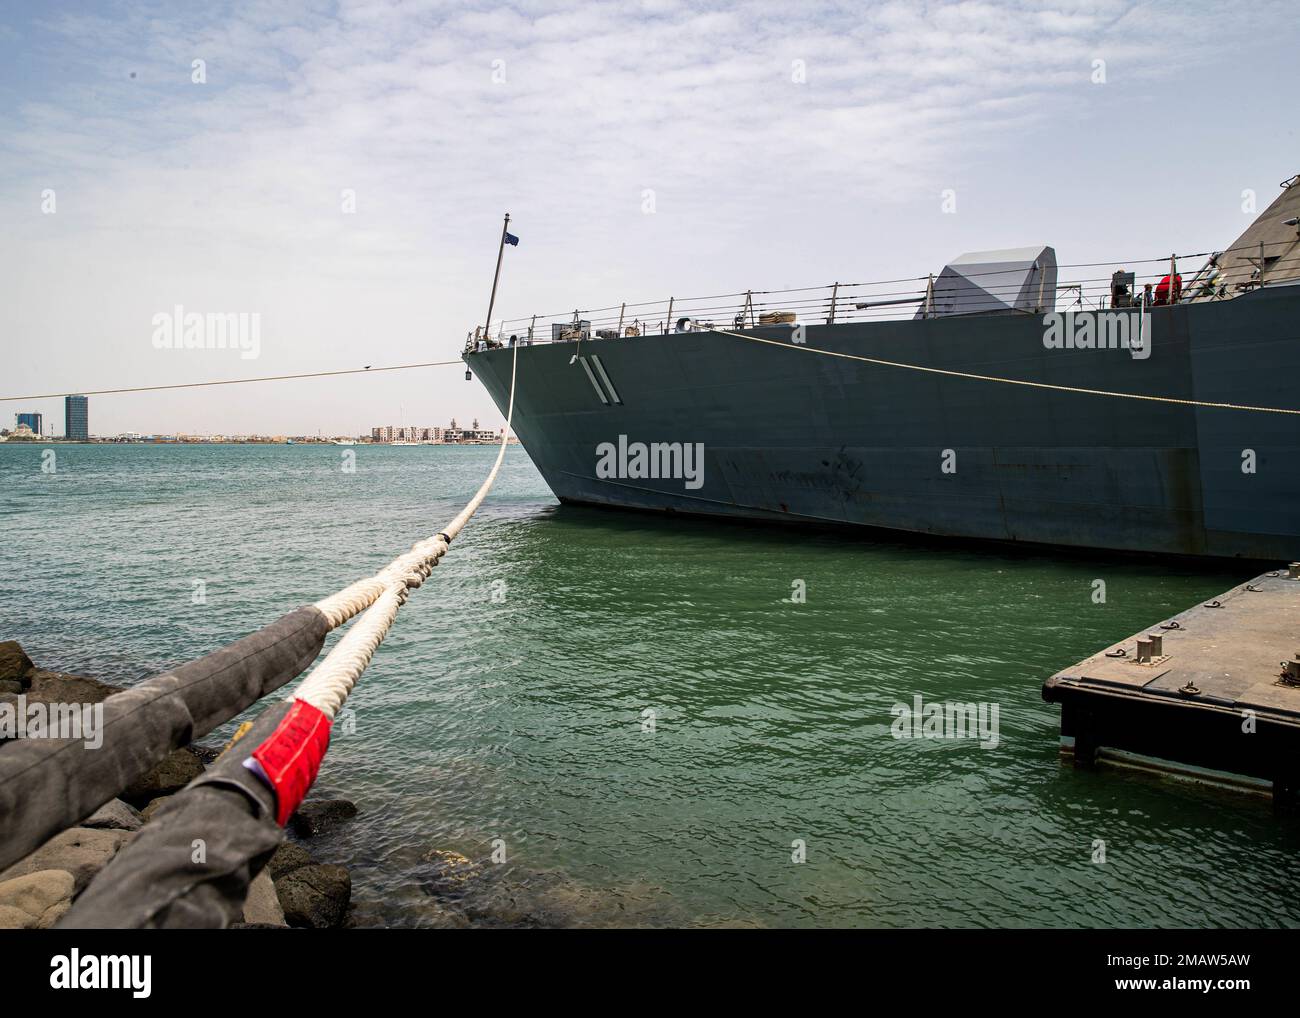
(637, 711)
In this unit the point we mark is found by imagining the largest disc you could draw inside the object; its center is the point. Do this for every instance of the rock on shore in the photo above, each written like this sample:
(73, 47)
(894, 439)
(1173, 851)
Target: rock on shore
(166, 778)
(60, 687)
(14, 662)
(315, 895)
(19, 677)
(115, 816)
(288, 857)
(35, 901)
(80, 851)
(317, 817)
(262, 906)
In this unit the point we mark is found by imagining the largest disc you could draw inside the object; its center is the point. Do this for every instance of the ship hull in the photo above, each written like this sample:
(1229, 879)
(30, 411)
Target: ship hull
(788, 435)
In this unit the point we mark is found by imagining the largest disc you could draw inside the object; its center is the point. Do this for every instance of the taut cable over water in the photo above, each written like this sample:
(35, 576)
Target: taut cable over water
(230, 381)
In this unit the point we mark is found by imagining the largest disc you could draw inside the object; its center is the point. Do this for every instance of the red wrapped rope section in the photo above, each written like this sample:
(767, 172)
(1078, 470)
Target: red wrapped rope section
(290, 759)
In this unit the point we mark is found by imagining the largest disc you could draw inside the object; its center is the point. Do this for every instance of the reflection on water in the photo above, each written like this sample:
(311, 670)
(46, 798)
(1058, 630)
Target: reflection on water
(642, 720)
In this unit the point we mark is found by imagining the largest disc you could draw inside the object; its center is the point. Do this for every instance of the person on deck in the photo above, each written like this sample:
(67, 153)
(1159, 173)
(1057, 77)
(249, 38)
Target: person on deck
(1163, 295)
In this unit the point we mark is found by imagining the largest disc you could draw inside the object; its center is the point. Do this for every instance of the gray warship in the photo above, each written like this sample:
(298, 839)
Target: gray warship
(1139, 407)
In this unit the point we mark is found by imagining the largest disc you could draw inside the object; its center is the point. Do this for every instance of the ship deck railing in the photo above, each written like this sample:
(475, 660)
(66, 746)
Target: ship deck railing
(1081, 287)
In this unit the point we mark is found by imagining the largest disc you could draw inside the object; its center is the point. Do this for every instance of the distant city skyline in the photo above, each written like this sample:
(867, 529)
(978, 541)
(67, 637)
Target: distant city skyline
(323, 190)
(76, 428)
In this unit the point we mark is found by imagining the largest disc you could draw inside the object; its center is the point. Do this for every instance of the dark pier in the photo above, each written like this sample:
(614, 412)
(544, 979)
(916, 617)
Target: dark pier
(1211, 695)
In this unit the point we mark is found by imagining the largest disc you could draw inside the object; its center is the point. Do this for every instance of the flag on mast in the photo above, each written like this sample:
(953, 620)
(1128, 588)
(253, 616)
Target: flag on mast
(512, 240)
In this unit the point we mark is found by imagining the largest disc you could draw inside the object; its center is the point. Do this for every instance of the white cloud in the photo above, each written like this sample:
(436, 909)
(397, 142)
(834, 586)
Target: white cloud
(227, 194)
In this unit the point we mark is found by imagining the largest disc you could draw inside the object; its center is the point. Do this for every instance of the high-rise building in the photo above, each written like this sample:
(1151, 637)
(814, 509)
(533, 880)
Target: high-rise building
(76, 418)
(33, 421)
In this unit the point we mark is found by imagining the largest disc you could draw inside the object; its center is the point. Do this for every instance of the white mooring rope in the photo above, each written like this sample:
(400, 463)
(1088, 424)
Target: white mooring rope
(381, 595)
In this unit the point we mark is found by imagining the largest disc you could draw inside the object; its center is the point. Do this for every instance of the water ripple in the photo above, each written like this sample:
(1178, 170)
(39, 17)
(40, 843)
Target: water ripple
(636, 707)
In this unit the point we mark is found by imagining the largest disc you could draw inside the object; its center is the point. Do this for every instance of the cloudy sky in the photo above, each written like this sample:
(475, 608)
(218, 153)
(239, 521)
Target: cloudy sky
(785, 144)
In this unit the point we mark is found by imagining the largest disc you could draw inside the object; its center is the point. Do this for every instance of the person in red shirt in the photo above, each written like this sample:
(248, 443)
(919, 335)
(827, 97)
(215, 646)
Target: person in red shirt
(1162, 290)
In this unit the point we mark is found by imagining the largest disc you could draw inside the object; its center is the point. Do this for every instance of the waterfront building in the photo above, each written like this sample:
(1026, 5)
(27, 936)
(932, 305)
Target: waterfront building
(477, 434)
(406, 434)
(473, 433)
(33, 421)
(76, 418)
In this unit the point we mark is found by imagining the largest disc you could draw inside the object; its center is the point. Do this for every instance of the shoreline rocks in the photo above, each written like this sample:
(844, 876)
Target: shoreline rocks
(115, 815)
(262, 906)
(23, 684)
(166, 778)
(287, 858)
(293, 889)
(446, 874)
(315, 896)
(14, 662)
(321, 815)
(60, 687)
(35, 901)
(80, 851)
